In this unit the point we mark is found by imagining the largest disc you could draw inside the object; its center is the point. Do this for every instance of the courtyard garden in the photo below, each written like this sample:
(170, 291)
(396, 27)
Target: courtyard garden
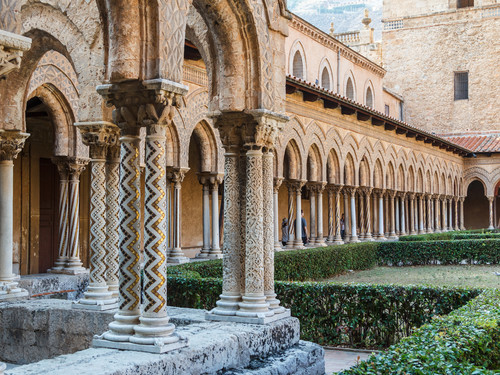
(432, 304)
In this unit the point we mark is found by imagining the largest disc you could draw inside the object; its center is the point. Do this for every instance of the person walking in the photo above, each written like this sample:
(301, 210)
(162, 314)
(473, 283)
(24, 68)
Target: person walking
(342, 226)
(284, 231)
(305, 236)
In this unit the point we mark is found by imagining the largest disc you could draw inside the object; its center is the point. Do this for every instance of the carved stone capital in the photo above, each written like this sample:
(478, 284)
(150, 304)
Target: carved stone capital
(366, 190)
(210, 179)
(76, 166)
(295, 185)
(351, 190)
(11, 143)
(61, 162)
(99, 136)
(401, 194)
(176, 175)
(277, 184)
(148, 103)
(12, 47)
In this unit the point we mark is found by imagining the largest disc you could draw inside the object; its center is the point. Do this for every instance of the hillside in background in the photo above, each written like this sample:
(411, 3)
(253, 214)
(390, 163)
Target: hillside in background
(346, 14)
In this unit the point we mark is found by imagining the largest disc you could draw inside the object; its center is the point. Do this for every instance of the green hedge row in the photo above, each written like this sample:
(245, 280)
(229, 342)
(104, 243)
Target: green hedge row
(363, 316)
(444, 252)
(467, 341)
(304, 265)
(462, 235)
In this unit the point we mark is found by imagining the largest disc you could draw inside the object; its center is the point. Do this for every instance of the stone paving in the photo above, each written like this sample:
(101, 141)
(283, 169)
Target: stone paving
(338, 360)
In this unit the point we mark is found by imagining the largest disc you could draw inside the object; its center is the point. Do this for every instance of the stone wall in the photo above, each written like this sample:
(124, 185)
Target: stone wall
(422, 56)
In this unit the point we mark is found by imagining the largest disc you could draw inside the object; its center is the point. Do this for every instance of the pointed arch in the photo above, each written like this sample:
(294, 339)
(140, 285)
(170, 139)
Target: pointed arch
(314, 164)
(292, 161)
(333, 168)
(297, 65)
(378, 175)
(369, 94)
(364, 172)
(325, 74)
(390, 180)
(349, 171)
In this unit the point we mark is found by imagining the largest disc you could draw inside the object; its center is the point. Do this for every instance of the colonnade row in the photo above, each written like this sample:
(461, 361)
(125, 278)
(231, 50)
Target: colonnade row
(369, 214)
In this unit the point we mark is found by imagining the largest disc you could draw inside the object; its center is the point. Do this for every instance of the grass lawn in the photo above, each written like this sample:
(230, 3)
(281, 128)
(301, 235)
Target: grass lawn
(461, 276)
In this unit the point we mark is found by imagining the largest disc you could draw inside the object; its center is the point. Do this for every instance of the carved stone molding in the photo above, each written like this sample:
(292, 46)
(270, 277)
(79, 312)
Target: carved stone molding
(76, 166)
(11, 143)
(99, 136)
(12, 47)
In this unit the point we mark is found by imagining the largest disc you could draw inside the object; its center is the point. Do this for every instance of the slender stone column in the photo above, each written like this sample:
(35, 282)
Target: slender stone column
(231, 247)
(381, 226)
(362, 223)
(403, 214)
(351, 190)
(112, 215)
(387, 217)
(299, 244)
(462, 221)
(62, 166)
(320, 239)
(412, 214)
(98, 297)
(205, 250)
(457, 225)
(368, 235)
(421, 214)
(268, 231)
(444, 214)
(490, 200)
(376, 235)
(276, 188)
(11, 143)
(429, 214)
(154, 327)
(398, 216)
(176, 255)
(291, 229)
(74, 264)
(338, 235)
(392, 216)
(215, 251)
(450, 213)
(312, 222)
(331, 216)
(438, 214)
(347, 215)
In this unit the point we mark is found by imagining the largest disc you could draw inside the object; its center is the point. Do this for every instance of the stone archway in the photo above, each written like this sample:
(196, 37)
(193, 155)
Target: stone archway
(476, 206)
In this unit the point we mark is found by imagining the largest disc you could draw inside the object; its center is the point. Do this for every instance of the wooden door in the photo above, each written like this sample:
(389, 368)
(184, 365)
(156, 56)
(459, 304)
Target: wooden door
(49, 186)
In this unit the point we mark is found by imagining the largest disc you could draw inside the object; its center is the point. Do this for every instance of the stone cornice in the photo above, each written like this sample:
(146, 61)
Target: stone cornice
(330, 42)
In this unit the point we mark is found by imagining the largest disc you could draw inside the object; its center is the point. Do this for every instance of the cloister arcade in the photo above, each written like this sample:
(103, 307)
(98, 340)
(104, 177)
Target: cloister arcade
(196, 144)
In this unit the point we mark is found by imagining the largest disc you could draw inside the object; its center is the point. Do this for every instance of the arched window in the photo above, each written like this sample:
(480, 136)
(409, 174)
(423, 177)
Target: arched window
(298, 65)
(349, 89)
(369, 97)
(325, 78)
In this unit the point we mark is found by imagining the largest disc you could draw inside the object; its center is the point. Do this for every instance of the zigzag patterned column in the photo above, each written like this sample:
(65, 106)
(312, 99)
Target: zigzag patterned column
(98, 297)
(62, 167)
(155, 328)
(74, 264)
(112, 216)
(128, 314)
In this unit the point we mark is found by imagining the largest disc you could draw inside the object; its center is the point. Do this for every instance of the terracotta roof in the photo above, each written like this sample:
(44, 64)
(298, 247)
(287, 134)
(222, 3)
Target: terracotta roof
(477, 142)
(366, 113)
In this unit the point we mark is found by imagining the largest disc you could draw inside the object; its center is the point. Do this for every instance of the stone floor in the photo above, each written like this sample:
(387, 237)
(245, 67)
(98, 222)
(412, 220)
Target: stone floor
(338, 360)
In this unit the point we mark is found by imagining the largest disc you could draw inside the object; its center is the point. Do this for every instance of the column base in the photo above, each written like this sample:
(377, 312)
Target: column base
(215, 256)
(354, 239)
(491, 227)
(178, 260)
(72, 271)
(338, 242)
(113, 288)
(99, 305)
(248, 320)
(203, 254)
(227, 305)
(393, 238)
(158, 347)
(9, 292)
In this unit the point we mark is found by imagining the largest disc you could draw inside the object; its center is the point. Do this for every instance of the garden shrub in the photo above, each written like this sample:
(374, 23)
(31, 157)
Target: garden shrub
(460, 235)
(445, 252)
(467, 341)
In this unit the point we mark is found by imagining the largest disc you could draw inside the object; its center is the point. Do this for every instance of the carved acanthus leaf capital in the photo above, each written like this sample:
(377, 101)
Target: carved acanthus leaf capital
(176, 175)
(99, 136)
(11, 143)
(278, 181)
(76, 166)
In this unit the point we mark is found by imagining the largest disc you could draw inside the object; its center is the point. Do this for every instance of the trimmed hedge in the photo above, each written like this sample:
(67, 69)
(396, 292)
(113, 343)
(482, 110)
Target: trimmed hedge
(444, 252)
(467, 341)
(364, 316)
(304, 265)
(461, 235)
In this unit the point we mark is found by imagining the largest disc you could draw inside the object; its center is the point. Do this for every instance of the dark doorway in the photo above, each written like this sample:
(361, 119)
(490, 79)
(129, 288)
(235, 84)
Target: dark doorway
(476, 209)
(49, 184)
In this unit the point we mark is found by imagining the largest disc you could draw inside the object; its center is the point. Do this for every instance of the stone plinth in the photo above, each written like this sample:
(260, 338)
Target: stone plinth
(60, 286)
(37, 329)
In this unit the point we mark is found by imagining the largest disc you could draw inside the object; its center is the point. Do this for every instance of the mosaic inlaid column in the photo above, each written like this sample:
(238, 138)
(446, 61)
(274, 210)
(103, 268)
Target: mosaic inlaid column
(98, 296)
(205, 250)
(74, 264)
(122, 328)
(462, 221)
(11, 143)
(231, 247)
(277, 228)
(291, 228)
(62, 167)
(268, 231)
(338, 235)
(368, 234)
(215, 251)
(312, 221)
(176, 255)
(320, 239)
(154, 327)
(254, 303)
(492, 224)
(112, 215)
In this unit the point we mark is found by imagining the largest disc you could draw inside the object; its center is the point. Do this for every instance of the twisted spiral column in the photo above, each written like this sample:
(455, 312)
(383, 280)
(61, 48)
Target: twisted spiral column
(312, 205)
(331, 217)
(291, 229)
(112, 217)
(368, 235)
(338, 234)
(61, 163)
(362, 222)
(154, 327)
